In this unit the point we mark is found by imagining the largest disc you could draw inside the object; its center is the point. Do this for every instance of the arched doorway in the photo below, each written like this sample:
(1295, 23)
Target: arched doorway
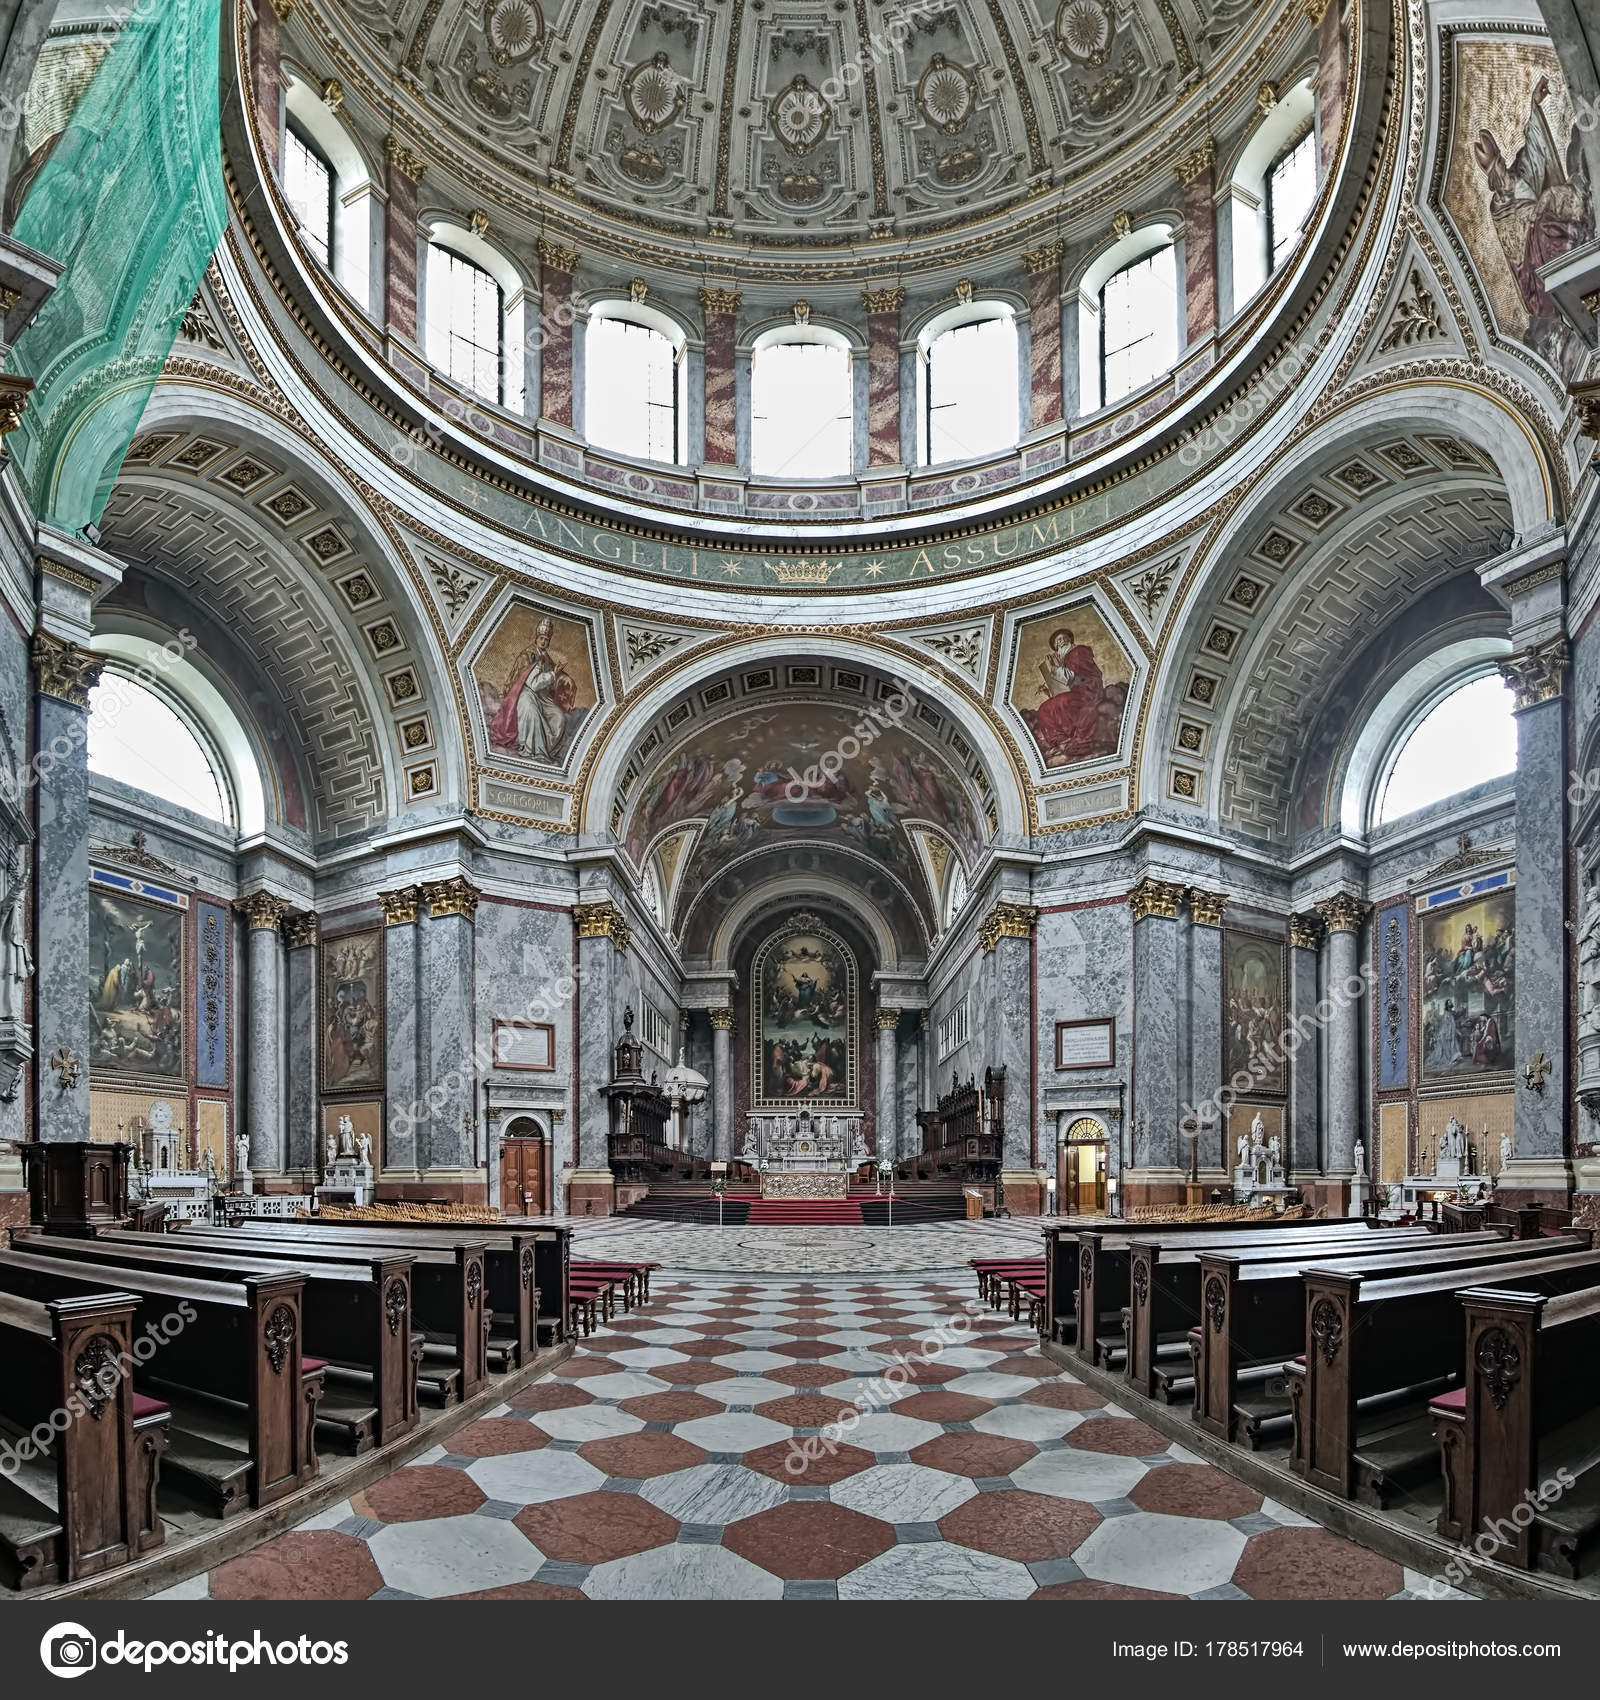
(523, 1168)
(1081, 1165)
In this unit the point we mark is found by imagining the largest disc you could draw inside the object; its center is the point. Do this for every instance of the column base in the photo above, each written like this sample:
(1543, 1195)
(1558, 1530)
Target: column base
(1024, 1190)
(1536, 1180)
(591, 1192)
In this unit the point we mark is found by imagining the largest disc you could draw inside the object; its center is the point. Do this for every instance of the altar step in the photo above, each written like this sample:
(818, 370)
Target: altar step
(749, 1208)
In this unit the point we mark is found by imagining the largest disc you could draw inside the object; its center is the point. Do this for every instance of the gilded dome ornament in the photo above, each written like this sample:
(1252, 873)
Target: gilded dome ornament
(1084, 29)
(946, 95)
(654, 94)
(514, 30)
(800, 116)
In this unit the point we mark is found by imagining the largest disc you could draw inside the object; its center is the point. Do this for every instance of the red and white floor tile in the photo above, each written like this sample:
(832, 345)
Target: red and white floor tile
(684, 1453)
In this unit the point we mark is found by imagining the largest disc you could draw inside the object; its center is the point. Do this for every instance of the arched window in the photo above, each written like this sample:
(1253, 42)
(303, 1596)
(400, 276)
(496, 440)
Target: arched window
(801, 417)
(1138, 324)
(633, 382)
(466, 310)
(308, 184)
(145, 740)
(955, 894)
(1273, 189)
(1291, 194)
(1467, 736)
(969, 384)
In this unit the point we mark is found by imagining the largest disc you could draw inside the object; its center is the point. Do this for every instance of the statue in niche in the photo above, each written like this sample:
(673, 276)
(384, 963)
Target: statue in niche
(1359, 1157)
(16, 960)
(1453, 1141)
(241, 1154)
(1505, 1151)
(1589, 960)
(347, 1137)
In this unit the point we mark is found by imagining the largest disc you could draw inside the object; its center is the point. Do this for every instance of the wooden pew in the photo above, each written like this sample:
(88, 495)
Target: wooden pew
(1394, 1343)
(1254, 1319)
(244, 1401)
(85, 1502)
(1104, 1266)
(1164, 1286)
(357, 1319)
(1518, 1441)
(517, 1262)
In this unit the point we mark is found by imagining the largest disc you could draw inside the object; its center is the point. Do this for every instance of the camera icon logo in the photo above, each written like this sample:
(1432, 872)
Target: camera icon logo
(68, 1649)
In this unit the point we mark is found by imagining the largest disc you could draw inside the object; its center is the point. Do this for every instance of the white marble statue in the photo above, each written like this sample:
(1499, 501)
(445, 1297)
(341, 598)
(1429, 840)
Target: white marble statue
(1273, 1149)
(364, 1150)
(241, 1154)
(1453, 1141)
(1589, 960)
(1244, 1149)
(16, 960)
(1258, 1131)
(209, 1164)
(333, 1151)
(347, 1137)
(1505, 1151)
(1359, 1157)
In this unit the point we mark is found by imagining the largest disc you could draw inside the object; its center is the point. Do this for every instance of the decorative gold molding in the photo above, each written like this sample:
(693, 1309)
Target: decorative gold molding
(64, 574)
(1121, 225)
(300, 929)
(1586, 396)
(1343, 913)
(1205, 907)
(333, 94)
(964, 291)
(638, 289)
(1536, 675)
(456, 896)
(478, 221)
(14, 393)
(1007, 920)
(556, 256)
(602, 921)
(715, 300)
(721, 1019)
(1315, 9)
(889, 299)
(1045, 258)
(1305, 932)
(1266, 98)
(887, 1018)
(1152, 897)
(282, 8)
(63, 670)
(407, 161)
(1193, 166)
(262, 911)
(400, 907)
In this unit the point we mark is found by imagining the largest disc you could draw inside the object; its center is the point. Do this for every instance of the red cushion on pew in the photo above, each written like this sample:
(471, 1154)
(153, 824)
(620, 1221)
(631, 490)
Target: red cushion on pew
(144, 1406)
(1454, 1400)
(310, 1366)
(1300, 1359)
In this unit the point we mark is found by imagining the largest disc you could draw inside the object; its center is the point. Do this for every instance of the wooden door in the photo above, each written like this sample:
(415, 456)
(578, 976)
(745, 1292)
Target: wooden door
(521, 1177)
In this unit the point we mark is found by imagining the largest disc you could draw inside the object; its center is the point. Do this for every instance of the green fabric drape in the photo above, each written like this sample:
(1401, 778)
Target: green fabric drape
(131, 201)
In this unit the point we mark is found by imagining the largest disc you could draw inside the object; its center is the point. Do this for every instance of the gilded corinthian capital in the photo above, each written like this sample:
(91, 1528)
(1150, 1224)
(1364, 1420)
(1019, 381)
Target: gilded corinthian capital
(63, 670)
(1536, 675)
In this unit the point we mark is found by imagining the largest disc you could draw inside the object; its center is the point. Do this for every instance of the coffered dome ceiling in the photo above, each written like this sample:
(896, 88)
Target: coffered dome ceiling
(792, 123)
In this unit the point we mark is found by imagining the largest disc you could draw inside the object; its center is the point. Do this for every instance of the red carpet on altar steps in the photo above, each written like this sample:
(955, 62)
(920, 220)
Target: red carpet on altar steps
(741, 1209)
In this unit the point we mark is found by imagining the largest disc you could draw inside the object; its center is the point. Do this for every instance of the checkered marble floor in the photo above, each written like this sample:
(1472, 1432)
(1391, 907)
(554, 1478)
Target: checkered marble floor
(684, 1453)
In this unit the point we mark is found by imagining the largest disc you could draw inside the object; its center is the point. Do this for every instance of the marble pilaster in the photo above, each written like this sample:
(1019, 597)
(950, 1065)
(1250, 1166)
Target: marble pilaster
(266, 75)
(1006, 935)
(556, 266)
(722, 1083)
(446, 1002)
(1303, 1135)
(402, 173)
(1333, 69)
(401, 991)
(891, 1136)
(1044, 334)
(300, 938)
(1342, 916)
(883, 374)
(64, 674)
(1197, 172)
(1205, 1024)
(1156, 978)
(721, 308)
(266, 1105)
(597, 998)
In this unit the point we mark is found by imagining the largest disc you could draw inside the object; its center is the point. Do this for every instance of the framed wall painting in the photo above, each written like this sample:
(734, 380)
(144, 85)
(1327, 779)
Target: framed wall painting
(352, 1012)
(1467, 982)
(1253, 1005)
(137, 985)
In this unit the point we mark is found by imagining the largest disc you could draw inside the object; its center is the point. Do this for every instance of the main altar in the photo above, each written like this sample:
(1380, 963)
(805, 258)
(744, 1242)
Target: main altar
(805, 1143)
(805, 1183)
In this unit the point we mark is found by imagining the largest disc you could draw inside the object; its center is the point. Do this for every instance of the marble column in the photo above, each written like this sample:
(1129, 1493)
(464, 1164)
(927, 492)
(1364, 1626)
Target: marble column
(266, 75)
(64, 674)
(300, 939)
(1333, 68)
(890, 1135)
(1303, 1141)
(883, 374)
(927, 1085)
(1155, 1137)
(1197, 172)
(1043, 266)
(403, 172)
(722, 1083)
(1342, 916)
(1006, 933)
(557, 312)
(603, 933)
(721, 308)
(400, 992)
(446, 1004)
(1537, 677)
(1205, 1029)
(266, 1106)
